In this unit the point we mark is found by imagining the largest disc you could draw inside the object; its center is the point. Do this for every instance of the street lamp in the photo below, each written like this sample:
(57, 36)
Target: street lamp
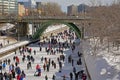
(82, 31)
(17, 30)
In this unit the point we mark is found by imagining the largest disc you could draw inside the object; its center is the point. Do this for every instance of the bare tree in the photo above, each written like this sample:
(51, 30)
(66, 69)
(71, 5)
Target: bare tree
(51, 9)
(105, 24)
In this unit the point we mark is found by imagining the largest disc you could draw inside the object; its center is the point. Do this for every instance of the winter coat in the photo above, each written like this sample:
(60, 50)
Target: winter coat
(37, 66)
(18, 77)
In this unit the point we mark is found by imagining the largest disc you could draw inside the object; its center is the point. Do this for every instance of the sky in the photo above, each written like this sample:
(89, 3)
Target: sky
(65, 3)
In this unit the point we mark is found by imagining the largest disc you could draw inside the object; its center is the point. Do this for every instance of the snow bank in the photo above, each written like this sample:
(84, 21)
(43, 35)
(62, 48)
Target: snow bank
(104, 66)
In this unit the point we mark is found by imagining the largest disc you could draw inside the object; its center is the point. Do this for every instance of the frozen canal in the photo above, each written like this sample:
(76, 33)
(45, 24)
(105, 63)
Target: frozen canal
(67, 67)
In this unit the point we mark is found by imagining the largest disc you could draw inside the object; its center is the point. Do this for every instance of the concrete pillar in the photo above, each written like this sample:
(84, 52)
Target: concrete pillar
(33, 28)
(37, 27)
(22, 29)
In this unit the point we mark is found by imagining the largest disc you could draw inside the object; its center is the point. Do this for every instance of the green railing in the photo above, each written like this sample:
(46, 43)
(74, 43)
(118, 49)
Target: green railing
(75, 28)
(44, 26)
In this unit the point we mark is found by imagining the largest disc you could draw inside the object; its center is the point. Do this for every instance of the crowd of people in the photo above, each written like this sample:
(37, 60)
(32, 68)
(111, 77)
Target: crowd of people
(53, 46)
(4, 42)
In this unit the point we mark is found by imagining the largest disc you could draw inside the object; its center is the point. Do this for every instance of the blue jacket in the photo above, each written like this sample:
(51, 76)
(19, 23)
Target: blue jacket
(18, 71)
(21, 78)
(4, 65)
(39, 70)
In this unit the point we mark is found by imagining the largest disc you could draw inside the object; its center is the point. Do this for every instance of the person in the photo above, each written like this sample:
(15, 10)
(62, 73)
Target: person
(13, 73)
(4, 65)
(18, 77)
(0, 67)
(18, 70)
(64, 77)
(54, 65)
(72, 62)
(8, 41)
(10, 76)
(1, 45)
(37, 67)
(15, 52)
(42, 59)
(69, 59)
(53, 78)
(44, 67)
(46, 78)
(29, 65)
(76, 75)
(32, 59)
(34, 52)
(40, 48)
(71, 76)
(74, 69)
(45, 49)
(23, 59)
(9, 61)
(14, 57)
(38, 70)
(16, 64)
(84, 77)
(6, 76)
(60, 66)
(23, 74)
(21, 77)
(47, 66)
(17, 59)
(1, 76)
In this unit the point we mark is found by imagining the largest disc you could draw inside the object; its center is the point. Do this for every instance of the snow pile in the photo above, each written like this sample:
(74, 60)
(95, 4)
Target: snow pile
(103, 66)
(7, 26)
(54, 27)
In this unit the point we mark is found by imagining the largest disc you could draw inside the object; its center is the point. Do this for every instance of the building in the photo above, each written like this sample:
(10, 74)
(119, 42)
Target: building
(21, 9)
(33, 6)
(72, 10)
(27, 7)
(30, 4)
(39, 7)
(82, 8)
(8, 7)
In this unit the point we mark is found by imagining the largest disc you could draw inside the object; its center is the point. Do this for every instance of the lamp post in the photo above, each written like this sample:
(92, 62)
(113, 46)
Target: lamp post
(17, 25)
(18, 31)
(83, 24)
(82, 31)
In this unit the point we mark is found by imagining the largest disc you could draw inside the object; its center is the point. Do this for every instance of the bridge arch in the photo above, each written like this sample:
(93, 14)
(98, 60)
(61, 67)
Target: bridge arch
(44, 26)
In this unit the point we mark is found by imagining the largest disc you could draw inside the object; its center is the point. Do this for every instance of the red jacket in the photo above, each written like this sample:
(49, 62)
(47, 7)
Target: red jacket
(37, 66)
(18, 77)
(84, 77)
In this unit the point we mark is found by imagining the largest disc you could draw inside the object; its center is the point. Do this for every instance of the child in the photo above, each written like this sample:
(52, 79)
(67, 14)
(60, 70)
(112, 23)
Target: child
(46, 78)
